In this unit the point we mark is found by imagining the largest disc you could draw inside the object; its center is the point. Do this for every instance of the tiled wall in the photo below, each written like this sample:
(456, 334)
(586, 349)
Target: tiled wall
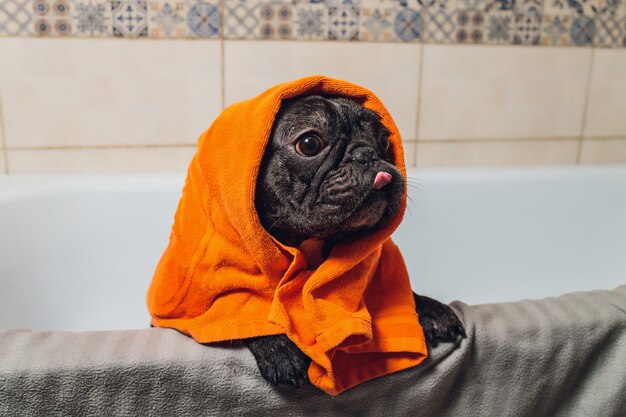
(94, 103)
(524, 22)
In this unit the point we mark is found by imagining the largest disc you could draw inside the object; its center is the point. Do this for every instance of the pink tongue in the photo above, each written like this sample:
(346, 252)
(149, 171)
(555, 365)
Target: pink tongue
(382, 179)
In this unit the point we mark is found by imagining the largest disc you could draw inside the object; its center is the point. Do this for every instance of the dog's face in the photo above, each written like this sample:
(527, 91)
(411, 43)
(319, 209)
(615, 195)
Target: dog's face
(326, 173)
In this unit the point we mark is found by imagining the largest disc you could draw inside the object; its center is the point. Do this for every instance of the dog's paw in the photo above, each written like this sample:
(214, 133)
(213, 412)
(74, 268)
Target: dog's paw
(438, 320)
(279, 360)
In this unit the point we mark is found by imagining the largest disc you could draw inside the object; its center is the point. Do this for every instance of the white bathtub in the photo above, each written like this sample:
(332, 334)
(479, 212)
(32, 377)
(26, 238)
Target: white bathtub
(78, 253)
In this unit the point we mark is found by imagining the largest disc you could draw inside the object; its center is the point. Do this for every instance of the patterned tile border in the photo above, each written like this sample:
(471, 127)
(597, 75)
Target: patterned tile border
(600, 23)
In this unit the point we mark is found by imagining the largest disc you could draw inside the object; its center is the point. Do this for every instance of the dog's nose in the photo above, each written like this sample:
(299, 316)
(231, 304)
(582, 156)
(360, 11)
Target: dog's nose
(363, 154)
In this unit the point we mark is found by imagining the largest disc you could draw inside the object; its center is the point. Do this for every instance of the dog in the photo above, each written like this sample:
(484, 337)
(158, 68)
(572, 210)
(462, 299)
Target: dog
(326, 176)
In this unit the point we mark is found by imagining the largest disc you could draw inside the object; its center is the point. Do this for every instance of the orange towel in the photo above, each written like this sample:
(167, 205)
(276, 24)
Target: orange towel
(223, 277)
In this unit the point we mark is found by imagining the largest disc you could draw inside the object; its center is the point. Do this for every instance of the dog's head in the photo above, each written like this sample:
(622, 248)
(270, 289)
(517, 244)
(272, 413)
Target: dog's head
(326, 173)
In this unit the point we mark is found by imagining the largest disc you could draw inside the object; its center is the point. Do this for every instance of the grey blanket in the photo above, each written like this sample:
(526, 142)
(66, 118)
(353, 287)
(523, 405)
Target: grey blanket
(562, 356)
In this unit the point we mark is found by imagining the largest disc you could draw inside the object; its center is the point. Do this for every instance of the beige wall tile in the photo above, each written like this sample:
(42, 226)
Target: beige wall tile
(598, 151)
(606, 109)
(502, 92)
(84, 92)
(2, 163)
(101, 160)
(496, 152)
(389, 70)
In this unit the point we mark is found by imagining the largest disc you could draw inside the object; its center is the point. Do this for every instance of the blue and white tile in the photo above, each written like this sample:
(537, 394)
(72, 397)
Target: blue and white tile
(203, 18)
(610, 22)
(501, 6)
(457, 21)
(471, 26)
(583, 31)
(343, 22)
(167, 19)
(518, 7)
(610, 31)
(478, 5)
(528, 27)
(17, 18)
(92, 18)
(408, 23)
(391, 20)
(130, 18)
(569, 22)
(526, 20)
(572, 7)
(53, 18)
(242, 19)
(499, 27)
(339, 3)
(311, 21)
(524, 6)
(440, 22)
(376, 23)
(556, 30)
(276, 20)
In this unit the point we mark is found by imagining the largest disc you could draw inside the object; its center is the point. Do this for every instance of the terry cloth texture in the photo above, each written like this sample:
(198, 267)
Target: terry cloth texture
(557, 357)
(223, 277)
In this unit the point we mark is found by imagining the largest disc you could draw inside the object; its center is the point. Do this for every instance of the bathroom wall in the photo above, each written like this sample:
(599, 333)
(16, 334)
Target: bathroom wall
(128, 85)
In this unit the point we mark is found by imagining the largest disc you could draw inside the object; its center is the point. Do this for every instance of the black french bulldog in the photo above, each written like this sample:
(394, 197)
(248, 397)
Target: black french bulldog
(325, 176)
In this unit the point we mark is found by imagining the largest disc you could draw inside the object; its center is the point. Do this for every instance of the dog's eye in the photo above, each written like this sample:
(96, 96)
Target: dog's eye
(309, 145)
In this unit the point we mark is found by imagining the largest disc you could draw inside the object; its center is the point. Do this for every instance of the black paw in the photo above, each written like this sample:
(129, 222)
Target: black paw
(279, 359)
(438, 320)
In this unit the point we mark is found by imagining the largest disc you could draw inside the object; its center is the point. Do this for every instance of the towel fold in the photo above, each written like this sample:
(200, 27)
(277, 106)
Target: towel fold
(223, 277)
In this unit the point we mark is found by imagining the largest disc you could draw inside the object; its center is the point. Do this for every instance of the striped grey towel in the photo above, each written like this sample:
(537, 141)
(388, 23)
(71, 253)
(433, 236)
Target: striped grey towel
(562, 356)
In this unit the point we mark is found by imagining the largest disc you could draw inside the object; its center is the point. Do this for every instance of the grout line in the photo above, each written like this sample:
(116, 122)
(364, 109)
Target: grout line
(450, 44)
(583, 122)
(599, 138)
(5, 152)
(419, 42)
(222, 55)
